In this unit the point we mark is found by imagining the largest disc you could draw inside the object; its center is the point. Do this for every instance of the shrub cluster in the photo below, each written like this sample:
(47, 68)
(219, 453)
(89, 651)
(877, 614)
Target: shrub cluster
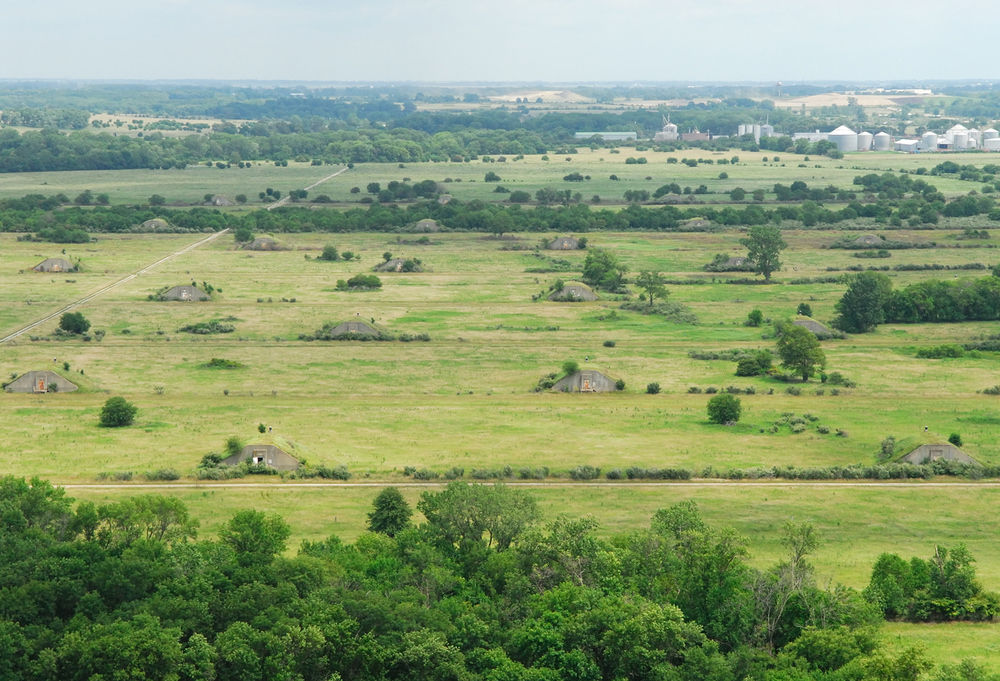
(492, 473)
(584, 473)
(205, 328)
(948, 350)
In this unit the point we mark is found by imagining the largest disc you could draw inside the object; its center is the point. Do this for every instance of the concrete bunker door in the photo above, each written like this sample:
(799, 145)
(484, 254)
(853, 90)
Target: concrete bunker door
(42, 386)
(587, 383)
(184, 294)
(259, 456)
(936, 453)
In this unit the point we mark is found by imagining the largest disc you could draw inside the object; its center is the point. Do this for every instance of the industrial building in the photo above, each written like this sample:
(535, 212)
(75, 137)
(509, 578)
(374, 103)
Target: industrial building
(669, 132)
(758, 131)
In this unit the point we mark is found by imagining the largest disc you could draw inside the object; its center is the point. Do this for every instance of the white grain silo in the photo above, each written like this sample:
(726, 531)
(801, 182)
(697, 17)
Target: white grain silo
(742, 129)
(991, 144)
(864, 141)
(960, 140)
(767, 130)
(929, 141)
(990, 134)
(883, 141)
(954, 130)
(845, 138)
(976, 136)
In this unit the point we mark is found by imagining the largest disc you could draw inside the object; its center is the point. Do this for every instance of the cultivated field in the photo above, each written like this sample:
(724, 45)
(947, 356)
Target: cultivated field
(465, 398)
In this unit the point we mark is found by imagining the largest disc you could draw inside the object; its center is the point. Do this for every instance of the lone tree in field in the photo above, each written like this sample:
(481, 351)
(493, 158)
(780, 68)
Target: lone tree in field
(863, 306)
(652, 283)
(329, 253)
(243, 234)
(74, 322)
(724, 408)
(799, 350)
(117, 413)
(570, 367)
(764, 245)
(603, 269)
(390, 513)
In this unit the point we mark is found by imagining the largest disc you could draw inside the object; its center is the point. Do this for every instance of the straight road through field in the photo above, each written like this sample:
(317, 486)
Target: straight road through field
(694, 483)
(282, 202)
(93, 295)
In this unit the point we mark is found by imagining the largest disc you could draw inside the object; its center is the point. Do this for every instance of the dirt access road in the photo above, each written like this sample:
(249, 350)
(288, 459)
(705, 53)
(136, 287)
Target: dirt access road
(104, 290)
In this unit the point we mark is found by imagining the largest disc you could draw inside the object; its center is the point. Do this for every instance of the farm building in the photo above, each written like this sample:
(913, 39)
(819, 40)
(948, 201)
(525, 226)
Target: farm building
(564, 243)
(219, 200)
(586, 381)
(396, 265)
(54, 265)
(263, 243)
(40, 382)
(427, 226)
(271, 456)
(929, 452)
(360, 328)
(184, 292)
(573, 292)
(868, 240)
(813, 326)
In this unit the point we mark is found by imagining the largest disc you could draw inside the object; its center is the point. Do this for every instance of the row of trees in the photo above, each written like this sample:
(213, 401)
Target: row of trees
(870, 300)
(483, 589)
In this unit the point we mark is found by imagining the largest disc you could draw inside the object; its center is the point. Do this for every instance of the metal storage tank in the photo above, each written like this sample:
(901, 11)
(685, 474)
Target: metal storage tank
(883, 141)
(929, 141)
(742, 130)
(992, 144)
(976, 136)
(990, 134)
(960, 140)
(845, 138)
(864, 141)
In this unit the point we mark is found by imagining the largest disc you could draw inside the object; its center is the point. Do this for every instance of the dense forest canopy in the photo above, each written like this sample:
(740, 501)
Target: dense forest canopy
(482, 590)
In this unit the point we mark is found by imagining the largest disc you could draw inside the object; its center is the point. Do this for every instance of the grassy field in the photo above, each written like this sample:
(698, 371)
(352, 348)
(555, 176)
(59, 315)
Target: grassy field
(464, 398)
(465, 181)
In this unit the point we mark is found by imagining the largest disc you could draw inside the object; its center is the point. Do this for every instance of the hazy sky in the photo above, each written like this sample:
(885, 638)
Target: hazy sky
(513, 40)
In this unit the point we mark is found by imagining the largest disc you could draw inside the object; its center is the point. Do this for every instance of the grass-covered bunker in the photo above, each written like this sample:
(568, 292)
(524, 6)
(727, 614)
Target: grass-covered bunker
(54, 265)
(586, 381)
(40, 382)
(268, 455)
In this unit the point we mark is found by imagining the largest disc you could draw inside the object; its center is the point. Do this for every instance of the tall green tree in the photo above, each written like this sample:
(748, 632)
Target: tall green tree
(862, 307)
(653, 284)
(255, 536)
(390, 513)
(764, 245)
(800, 351)
(602, 269)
